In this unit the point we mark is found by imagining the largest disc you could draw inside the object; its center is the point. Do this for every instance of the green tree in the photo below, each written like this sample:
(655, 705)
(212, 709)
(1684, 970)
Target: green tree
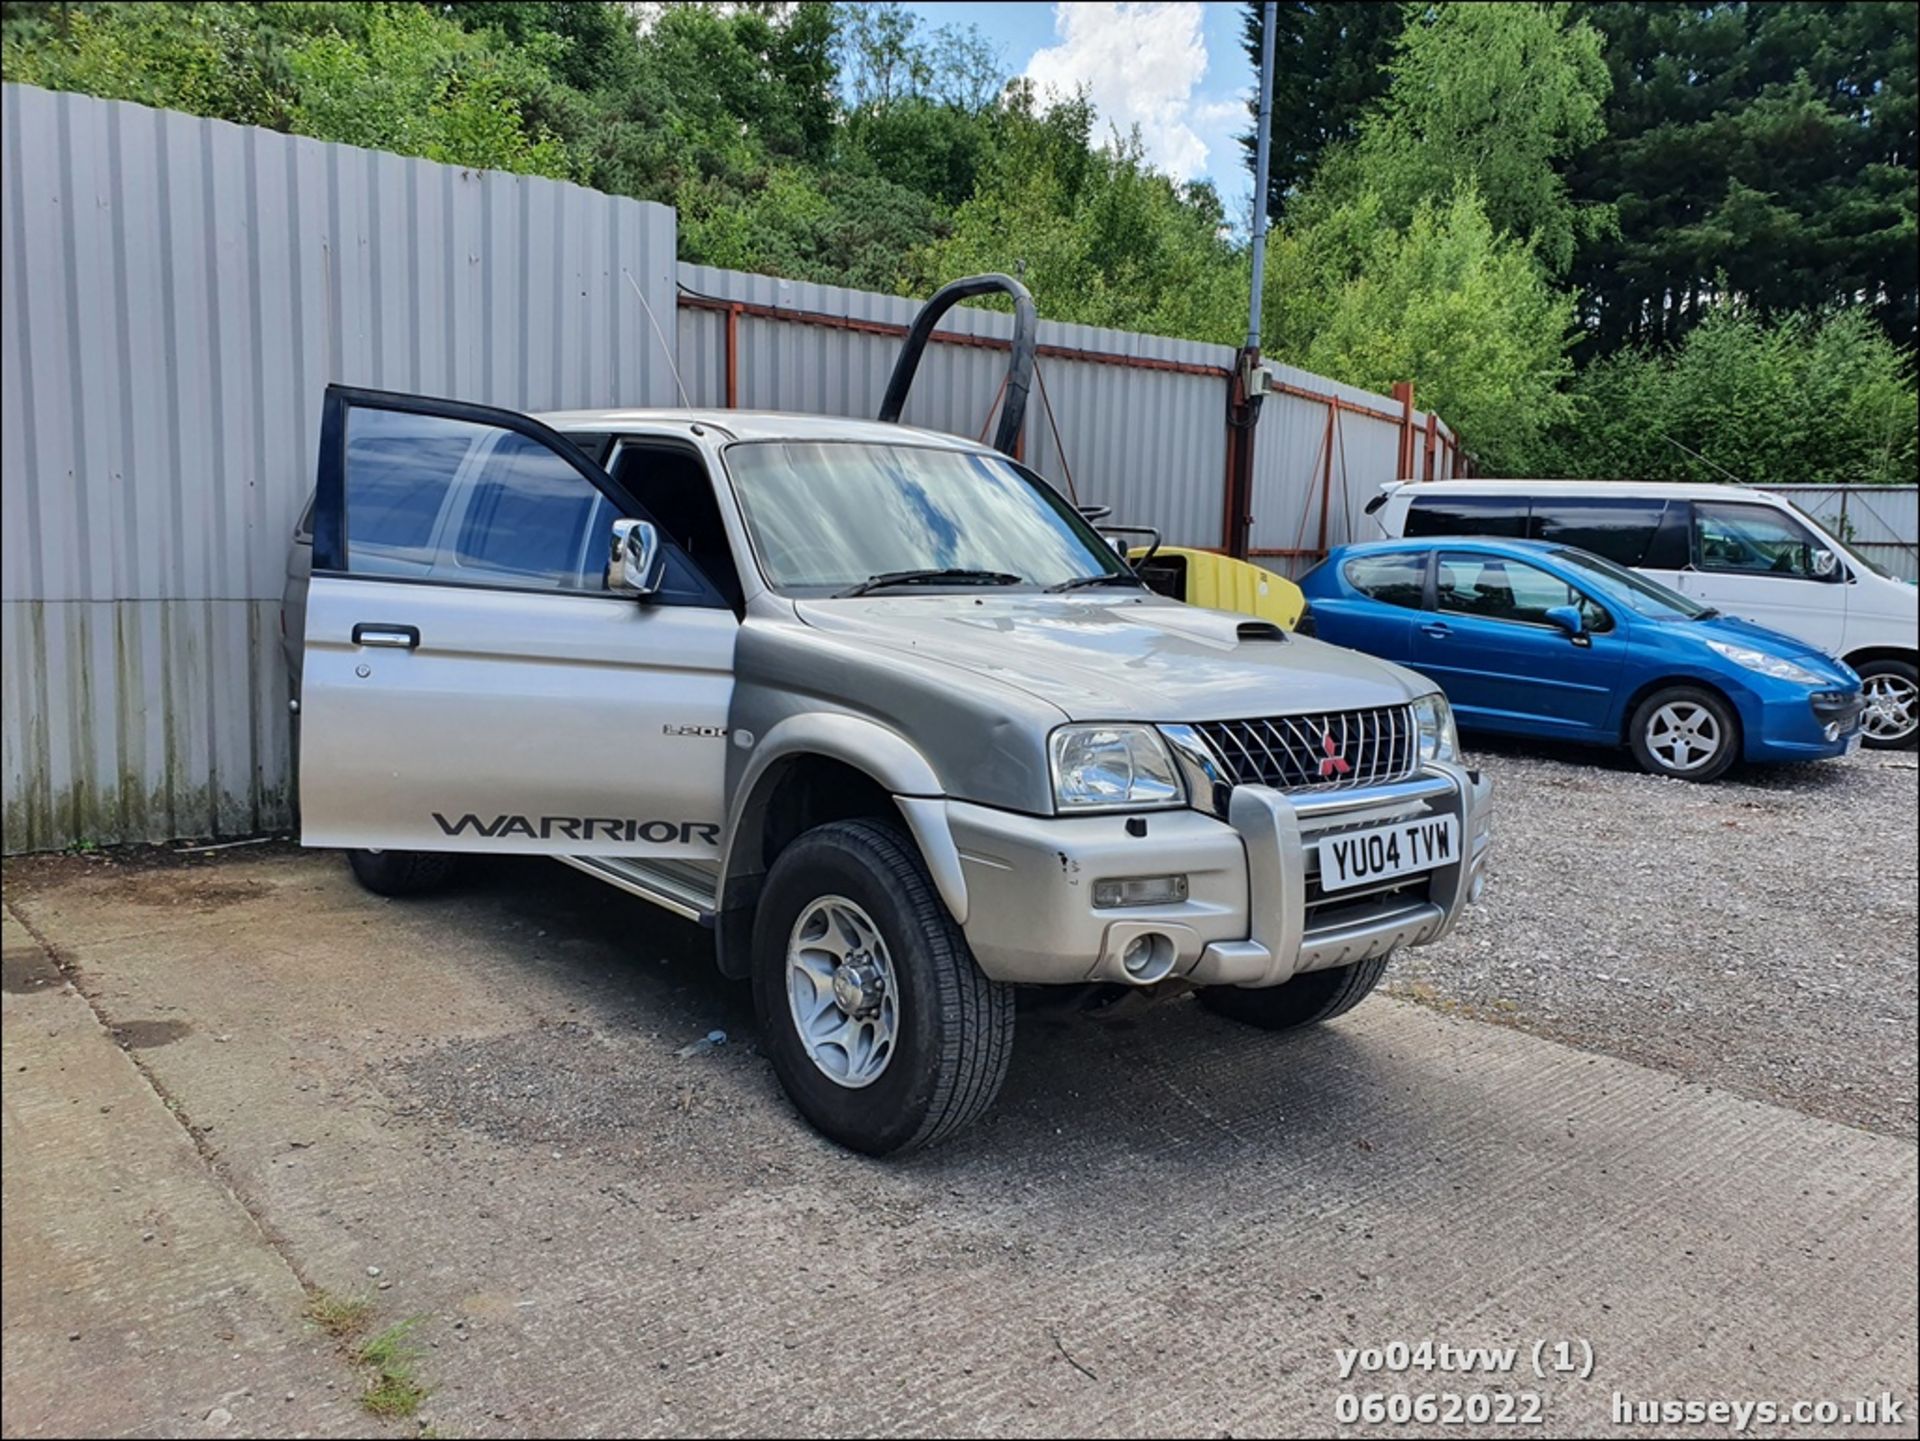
(1773, 144)
(1445, 301)
(1799, 400)
(1329, 70)
(1494, 95)
(417, 84)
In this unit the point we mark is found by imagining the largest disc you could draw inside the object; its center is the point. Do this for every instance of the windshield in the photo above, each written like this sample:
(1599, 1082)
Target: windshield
(1633, 590)
(829, 516)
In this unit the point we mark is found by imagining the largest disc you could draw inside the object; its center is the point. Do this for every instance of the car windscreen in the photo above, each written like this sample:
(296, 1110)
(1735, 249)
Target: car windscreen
(1633, 590)
(824, 516)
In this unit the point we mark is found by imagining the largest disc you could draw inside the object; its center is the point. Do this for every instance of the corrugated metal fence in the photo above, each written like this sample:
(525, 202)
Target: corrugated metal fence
(1882, 522)
(177, 292)
(1137, 422)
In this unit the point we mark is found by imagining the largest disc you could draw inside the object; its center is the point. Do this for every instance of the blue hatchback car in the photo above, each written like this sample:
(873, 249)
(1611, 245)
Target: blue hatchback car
(1537, 639)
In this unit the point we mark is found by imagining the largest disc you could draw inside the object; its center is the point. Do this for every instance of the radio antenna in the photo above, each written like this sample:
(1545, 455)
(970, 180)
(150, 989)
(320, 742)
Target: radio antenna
(665, 349)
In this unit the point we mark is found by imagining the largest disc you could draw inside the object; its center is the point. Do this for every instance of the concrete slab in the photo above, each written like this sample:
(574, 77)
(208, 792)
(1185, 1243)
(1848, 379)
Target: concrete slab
(1168, 1225)
(141, 1298)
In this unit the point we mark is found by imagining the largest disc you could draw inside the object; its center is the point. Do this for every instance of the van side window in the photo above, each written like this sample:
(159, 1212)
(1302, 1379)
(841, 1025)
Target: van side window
(1751, 540)
(1620, 529)
(1489, 515)
(1393, 579)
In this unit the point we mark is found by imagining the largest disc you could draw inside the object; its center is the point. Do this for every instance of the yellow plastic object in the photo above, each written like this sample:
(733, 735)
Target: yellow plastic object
(1222, 583)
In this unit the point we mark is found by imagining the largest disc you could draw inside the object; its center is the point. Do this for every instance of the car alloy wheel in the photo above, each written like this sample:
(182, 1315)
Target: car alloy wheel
(1684, 736)
(842, 992)
(1893, 707)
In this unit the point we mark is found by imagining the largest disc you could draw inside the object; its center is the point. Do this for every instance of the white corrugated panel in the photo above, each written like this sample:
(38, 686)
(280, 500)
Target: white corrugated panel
(177, 293)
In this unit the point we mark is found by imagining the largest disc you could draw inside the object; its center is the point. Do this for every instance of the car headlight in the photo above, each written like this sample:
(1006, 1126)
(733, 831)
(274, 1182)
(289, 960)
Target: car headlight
(1108, 767)
(1433, 718)
(1765, 662)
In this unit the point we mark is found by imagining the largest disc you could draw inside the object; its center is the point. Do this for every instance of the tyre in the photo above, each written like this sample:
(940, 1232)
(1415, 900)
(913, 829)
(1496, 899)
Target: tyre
(1302, 1001)
(1685, 732)
(881, 1028)
(1892, 688)
(400, 873)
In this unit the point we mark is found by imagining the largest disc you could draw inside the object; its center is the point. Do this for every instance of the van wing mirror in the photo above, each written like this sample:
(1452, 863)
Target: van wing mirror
(1826, 564)
(636, 560)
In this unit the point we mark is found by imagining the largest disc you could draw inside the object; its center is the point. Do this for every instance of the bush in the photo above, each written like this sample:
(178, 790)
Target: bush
(1800, 400)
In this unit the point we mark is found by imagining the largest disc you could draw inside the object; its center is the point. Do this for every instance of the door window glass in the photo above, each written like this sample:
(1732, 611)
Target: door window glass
(1394, 579)
(400, 473)
(1751, 540)
(1620, 529)
(435, 498)
(530, 519)
(1491, 587)
(1491, 515)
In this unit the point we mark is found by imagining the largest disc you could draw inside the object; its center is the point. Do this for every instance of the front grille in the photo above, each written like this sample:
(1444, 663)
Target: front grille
(1342, 750)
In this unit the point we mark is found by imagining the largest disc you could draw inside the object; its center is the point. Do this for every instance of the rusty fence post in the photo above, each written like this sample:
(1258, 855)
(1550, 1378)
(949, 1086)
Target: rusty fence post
(733, 357)
(1403, 393)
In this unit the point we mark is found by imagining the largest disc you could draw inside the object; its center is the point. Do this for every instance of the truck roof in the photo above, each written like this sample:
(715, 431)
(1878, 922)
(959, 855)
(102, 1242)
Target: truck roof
(757, 425)
(1652, 489)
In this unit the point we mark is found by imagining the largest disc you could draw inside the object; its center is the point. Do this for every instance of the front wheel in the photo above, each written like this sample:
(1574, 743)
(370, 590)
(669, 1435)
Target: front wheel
(1684, 732)
(882, 1029)
(1892, 691)
(1303, 1001)
(400, 873)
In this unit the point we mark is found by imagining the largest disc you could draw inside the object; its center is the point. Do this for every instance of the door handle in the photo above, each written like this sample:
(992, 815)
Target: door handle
(1438, 629)
(399, 637)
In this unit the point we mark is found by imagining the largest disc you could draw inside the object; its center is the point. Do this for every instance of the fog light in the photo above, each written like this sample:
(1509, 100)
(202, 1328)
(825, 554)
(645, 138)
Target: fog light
(1139, 891)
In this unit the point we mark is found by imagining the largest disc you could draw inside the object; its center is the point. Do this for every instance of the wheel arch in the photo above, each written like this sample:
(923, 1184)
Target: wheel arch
(813, 769)
(1867, 654)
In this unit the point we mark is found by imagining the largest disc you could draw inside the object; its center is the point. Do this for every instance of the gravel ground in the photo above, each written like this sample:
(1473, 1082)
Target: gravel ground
(1758, 933)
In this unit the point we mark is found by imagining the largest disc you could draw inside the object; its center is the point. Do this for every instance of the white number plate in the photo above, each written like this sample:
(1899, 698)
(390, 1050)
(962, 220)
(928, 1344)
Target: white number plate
(1359, 858)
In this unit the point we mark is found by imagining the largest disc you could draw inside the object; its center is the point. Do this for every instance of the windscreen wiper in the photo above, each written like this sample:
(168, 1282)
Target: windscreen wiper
(1080, 582)
(1710, 613)
(932, 577)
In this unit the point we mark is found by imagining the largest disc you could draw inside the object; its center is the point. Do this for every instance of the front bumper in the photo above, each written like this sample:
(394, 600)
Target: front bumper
(1791, 725)
(1253, 915)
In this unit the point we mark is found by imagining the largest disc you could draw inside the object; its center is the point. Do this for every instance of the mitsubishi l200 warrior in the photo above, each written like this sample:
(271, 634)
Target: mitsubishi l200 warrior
(875, 704)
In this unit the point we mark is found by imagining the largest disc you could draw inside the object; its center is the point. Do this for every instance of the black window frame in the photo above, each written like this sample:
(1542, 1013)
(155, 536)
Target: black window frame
(687, 584)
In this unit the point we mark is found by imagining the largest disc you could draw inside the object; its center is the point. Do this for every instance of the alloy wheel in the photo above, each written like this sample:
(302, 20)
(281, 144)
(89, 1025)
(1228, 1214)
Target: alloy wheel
(842, 992)
(1684, 736)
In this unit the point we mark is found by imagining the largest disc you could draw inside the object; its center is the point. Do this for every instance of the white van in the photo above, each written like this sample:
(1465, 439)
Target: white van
(1741, 551)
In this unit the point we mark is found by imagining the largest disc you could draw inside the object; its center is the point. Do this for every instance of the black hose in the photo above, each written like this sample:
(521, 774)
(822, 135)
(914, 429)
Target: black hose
(1026, 326)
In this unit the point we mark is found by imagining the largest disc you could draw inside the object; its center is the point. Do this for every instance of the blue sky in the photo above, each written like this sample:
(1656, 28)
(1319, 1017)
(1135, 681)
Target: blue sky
(1175, 70)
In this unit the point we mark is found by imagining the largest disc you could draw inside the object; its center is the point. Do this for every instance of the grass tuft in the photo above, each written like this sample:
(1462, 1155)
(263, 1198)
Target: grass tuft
(339, 1316)
(393, 1390)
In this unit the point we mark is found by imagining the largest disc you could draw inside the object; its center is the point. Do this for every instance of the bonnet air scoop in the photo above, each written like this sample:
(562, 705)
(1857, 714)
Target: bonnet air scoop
(1259, 630)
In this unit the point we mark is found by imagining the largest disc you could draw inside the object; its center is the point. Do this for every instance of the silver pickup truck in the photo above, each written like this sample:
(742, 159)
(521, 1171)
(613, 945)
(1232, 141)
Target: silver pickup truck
(876, 705)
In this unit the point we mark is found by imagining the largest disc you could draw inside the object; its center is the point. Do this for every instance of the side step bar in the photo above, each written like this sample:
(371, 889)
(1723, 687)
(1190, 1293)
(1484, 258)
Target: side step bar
(682, 887)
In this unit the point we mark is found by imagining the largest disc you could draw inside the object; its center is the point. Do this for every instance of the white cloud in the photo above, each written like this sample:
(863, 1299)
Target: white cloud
(1141, 64)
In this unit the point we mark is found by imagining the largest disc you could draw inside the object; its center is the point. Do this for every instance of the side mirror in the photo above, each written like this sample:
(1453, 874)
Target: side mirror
(1569, 619)
(1120, 546)
(636, 561)
(1825, 564)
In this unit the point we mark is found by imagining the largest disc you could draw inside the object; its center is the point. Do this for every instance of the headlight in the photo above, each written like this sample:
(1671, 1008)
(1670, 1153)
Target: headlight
(1108, 767)
(1433, 717)
(1765, 662)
